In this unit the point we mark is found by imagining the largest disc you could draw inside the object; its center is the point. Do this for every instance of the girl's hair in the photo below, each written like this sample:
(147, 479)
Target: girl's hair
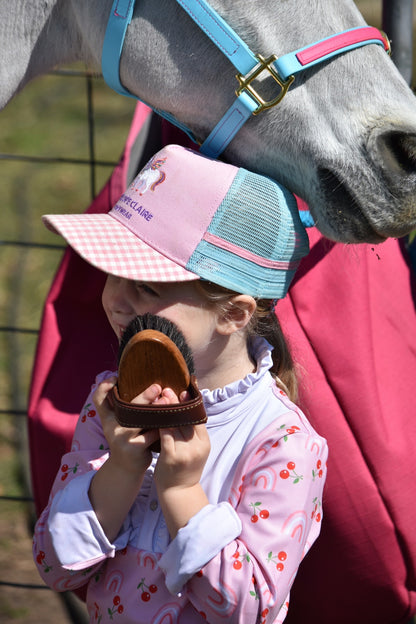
(265, 323)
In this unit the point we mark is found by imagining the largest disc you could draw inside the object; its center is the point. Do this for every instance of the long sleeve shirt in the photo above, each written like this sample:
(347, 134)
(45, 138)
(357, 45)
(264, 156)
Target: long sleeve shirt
(237, 558)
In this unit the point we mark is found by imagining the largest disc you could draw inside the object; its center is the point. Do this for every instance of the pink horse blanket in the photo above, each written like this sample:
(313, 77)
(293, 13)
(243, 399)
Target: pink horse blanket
(350, 319)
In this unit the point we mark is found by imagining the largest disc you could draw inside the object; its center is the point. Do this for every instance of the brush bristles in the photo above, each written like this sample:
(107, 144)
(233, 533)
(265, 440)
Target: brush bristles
(163, 325)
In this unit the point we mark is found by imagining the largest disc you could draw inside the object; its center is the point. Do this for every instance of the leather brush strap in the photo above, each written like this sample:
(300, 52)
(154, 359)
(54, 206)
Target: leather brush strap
(191, 412)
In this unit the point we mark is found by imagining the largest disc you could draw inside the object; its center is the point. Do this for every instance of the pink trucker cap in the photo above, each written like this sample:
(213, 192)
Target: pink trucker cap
(185, 217)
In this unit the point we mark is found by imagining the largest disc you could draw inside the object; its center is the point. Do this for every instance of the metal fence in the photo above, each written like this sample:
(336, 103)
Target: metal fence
(20, 250)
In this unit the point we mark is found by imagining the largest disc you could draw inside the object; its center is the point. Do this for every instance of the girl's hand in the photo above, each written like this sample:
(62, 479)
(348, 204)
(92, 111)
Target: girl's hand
(129, 447)
(184, 452)
(117, 483)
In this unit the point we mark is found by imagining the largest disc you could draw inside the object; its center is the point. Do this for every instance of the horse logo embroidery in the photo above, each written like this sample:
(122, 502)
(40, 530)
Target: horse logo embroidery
(151, 176)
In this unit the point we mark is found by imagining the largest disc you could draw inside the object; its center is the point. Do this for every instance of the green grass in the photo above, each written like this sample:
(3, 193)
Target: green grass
(48, 119)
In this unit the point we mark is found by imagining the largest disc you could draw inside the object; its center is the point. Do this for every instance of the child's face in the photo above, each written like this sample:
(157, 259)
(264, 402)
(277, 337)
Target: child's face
(180, 303)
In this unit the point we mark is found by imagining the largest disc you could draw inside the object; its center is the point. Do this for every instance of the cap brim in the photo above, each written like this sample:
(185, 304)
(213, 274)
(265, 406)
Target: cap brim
(106, 244)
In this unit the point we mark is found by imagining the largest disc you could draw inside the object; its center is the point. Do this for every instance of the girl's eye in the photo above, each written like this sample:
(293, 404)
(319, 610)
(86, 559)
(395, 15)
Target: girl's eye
(143, 287)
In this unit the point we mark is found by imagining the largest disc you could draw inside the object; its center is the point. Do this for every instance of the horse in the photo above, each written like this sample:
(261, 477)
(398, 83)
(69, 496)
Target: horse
(343, 138)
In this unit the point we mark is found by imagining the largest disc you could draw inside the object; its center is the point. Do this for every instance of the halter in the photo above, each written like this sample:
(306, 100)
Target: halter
(249, 65)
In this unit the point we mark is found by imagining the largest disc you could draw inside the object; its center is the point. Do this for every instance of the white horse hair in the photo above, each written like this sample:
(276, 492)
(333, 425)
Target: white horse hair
(343, 138)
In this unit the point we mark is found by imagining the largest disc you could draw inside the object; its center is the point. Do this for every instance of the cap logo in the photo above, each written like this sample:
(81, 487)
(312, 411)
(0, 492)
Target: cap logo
(147, 180)
(150, 177)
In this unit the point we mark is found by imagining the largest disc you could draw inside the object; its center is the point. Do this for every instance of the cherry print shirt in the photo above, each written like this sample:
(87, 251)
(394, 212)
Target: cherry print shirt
(236, 558)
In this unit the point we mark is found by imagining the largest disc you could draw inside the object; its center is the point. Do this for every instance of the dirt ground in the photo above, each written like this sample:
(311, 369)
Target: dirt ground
(30, 606)
(25, 605)
(34, 604)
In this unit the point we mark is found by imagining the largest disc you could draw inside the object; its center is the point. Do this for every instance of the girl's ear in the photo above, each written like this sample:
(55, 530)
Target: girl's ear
(236, 315)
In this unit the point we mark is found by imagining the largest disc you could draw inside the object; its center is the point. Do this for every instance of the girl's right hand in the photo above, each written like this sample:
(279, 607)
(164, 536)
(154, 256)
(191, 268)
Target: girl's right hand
(117, 483)
(129, 447)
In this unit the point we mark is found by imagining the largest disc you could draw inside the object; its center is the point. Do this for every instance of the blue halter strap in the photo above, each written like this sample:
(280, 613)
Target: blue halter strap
(249, 66)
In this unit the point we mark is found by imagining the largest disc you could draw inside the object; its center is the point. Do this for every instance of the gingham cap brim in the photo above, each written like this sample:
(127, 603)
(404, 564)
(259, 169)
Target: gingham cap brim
(106, 244)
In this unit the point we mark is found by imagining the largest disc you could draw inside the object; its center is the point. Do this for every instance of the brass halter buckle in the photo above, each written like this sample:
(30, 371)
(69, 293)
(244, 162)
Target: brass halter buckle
(246, 83)
(388, 42)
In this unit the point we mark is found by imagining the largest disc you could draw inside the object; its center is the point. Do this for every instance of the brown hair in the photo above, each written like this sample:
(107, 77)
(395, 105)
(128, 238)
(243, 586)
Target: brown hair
(265, 323)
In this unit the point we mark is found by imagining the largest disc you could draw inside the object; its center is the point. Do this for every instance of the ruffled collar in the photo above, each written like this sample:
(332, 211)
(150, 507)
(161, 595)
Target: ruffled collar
(214, 400)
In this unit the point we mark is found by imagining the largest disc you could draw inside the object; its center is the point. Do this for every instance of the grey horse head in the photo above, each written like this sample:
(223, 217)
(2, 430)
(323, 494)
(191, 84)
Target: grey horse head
(343, 138)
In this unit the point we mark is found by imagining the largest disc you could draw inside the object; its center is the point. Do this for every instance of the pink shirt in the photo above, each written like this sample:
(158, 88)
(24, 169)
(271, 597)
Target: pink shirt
(236, 559)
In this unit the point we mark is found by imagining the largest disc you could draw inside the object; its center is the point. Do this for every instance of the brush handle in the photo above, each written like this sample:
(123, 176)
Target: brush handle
(191, 412)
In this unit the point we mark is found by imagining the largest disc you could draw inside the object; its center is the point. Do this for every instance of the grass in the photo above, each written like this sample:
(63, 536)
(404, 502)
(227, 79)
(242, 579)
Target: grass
(48, 119)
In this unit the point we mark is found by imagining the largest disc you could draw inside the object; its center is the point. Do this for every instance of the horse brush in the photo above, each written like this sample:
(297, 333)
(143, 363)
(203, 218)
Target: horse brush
(153, 350)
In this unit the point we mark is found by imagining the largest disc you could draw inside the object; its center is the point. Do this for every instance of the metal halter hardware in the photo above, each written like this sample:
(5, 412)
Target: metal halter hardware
(249, 66)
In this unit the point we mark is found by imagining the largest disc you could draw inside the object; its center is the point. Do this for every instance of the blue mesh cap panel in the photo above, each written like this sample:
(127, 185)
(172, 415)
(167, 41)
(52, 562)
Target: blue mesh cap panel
(226, 269)
(259, 216)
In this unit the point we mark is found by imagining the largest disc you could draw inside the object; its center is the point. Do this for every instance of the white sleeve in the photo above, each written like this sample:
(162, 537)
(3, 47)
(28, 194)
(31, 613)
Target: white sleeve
(205, 535)
(77, 536)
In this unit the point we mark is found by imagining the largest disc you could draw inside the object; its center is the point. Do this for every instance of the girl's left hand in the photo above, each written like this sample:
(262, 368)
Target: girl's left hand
(184, 452)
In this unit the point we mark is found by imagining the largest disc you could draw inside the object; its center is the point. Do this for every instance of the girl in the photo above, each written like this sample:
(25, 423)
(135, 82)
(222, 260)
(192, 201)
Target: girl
(214, 526)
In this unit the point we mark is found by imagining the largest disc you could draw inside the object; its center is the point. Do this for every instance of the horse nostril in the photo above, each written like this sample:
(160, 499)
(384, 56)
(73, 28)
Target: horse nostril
(398, 152)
